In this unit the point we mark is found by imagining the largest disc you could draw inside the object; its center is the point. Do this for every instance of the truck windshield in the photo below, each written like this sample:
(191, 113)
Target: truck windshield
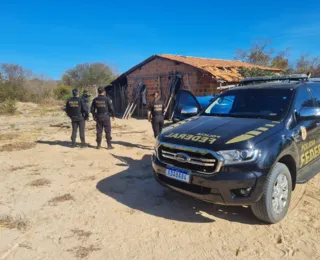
(267, 103)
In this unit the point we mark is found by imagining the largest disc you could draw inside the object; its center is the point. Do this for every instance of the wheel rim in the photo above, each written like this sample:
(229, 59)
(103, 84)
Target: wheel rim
(280, 193)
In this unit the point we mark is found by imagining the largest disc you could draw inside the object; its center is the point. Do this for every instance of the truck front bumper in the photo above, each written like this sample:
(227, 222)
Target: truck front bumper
(227, 187)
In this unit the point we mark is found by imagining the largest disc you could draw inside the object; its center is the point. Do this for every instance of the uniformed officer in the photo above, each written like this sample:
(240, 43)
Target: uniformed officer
(85, 98)
(76, 110)
(156, 111)
(101, 110)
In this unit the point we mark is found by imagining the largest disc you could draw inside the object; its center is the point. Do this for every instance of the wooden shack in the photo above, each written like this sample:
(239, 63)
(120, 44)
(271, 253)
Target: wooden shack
(201, 76)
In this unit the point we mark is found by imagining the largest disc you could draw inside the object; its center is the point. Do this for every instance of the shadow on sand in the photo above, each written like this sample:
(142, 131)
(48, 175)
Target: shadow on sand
(133, 145)
(61, 143)
(136, 188)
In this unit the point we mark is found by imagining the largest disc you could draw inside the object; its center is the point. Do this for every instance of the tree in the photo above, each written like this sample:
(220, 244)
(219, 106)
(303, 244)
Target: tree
(12, 79)
(281, 61)
(87, 75)
(308, 64)
(259, 53)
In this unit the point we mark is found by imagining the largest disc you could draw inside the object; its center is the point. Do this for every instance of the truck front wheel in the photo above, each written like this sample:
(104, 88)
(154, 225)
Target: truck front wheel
(274, 203)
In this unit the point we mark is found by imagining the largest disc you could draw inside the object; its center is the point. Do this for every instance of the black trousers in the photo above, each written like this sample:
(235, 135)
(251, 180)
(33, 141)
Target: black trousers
(157, 125)
(103, 123)
(75, 125)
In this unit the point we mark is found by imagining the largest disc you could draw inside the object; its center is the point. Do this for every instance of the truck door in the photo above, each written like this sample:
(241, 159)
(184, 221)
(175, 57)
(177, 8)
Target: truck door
(315, 91)
(306, 135)
(186, 106)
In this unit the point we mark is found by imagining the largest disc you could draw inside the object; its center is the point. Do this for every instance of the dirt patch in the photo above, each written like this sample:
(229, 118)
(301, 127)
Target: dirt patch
(40, 182)
(17, 147)
(82, 252)
(65, 197)
(11, 223)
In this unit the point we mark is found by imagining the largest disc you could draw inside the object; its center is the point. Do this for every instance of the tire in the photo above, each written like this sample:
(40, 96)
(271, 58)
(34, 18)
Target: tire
(267, 209)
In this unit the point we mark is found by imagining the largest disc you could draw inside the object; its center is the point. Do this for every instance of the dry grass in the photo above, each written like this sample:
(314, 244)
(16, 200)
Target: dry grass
(51, 102)
(61, 125)
(8, 136)
(120, 127)
(17, 146)
(65, 197)
(40, 182)
(88, 178)
(82, 252)
(81, 233)
(17, 168)
(11, 223)
(238, 251)
(130, 211)
(25, 246)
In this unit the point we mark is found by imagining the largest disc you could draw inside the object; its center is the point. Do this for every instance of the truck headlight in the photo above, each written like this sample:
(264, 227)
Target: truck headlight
(156, 145)
(239, 156)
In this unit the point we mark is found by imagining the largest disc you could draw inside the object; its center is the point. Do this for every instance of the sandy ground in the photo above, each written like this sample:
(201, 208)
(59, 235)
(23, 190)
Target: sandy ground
(62, 203)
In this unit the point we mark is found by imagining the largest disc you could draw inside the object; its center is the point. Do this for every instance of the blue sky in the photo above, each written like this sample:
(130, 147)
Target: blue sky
(50, 37)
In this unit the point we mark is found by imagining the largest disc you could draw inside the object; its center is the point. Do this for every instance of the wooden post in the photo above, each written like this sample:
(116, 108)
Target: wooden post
(159, 85)
(188, 82)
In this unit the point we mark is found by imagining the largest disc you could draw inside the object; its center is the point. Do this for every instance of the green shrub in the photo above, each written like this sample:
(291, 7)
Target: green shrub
(9, 106)
(63, 92)
(254, 72)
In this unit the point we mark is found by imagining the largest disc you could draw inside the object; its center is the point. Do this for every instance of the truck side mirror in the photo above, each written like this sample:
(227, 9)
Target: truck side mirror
(189, 111)
(309, 113)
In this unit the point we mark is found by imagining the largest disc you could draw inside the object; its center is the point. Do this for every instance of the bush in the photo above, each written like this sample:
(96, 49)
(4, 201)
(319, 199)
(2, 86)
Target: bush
(9, 106)
(63, 92)
(254, 72)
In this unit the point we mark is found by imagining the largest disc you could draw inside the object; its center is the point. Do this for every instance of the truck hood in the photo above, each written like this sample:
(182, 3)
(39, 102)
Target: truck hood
(220, 133)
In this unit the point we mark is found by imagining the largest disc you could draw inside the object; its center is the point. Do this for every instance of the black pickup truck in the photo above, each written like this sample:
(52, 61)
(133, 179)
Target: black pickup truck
(250, 146)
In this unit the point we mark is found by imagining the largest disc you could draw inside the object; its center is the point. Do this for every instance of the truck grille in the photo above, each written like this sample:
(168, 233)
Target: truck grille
(198, 160)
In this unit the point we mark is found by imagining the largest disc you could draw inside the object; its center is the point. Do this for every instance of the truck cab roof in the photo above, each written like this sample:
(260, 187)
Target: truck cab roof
(290, 85)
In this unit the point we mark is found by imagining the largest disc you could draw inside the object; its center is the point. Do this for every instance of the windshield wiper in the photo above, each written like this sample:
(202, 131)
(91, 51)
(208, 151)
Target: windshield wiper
(215, 114)
(249, 115)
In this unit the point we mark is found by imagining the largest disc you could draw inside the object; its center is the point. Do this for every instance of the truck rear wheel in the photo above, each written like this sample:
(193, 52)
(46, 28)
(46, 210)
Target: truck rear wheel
(274, 203)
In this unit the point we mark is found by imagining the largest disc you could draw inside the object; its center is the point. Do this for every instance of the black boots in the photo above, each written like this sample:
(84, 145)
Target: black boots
(110, 147)
(83, 145)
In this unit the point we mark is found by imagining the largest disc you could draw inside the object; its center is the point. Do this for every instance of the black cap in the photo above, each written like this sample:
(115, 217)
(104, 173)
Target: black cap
(100, 90)
(75, 92)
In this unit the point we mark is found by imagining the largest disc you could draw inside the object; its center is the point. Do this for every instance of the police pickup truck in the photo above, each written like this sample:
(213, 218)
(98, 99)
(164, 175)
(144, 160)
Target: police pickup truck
(250, 146)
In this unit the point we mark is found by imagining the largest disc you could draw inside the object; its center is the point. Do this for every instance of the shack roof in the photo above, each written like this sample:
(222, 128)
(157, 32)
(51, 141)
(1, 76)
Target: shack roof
(226, 70)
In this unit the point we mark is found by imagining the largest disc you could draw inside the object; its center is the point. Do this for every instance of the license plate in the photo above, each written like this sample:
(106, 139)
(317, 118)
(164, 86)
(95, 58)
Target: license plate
(177, 174)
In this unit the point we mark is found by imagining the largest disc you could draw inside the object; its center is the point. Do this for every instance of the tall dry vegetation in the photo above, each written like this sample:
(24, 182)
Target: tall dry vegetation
(19, 84)
(261, 53)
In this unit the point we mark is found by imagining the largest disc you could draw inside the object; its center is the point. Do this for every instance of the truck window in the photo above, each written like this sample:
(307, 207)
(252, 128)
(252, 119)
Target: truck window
(267, 103)
(316, 94)
(223, 105)
(303, 99)
(186, 100)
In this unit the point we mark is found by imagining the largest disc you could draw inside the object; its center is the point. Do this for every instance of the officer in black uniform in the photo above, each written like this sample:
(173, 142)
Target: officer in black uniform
(156, 111)
(85, 98)
(76, 110)
(101, 110)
